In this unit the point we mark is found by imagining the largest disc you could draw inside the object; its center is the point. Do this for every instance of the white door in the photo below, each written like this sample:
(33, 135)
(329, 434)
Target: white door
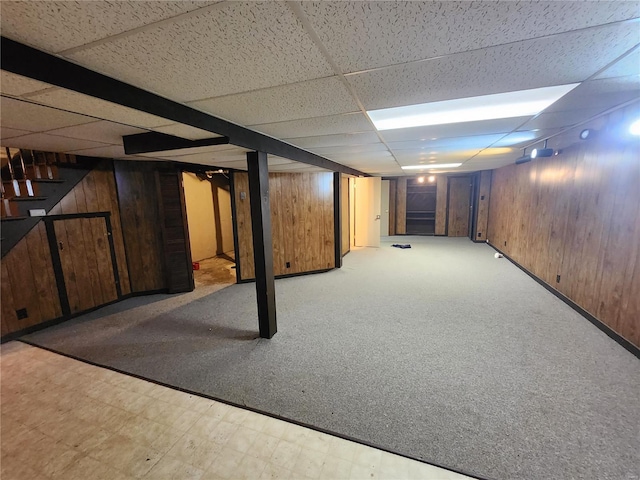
(384, 209)
(367, 211)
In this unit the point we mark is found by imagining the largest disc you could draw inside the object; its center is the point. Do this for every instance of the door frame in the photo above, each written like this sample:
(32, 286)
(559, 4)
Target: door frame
(57, 263)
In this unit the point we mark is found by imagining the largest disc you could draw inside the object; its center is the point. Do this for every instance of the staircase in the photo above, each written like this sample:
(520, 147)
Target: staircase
(33, 183)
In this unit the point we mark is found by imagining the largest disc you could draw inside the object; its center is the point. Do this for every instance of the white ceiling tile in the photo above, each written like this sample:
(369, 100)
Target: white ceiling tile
(334, 140)
(243, 46)
(275, 160)
(237, 164)
(415, 158)
(60, 25)
(50, 143)
(23, 115)
(80, 103)
(435, 132)
(304, 168)
(349, 123)
(364, 156)
(475, 141)
(362, 35)
(11, 132)
(16, 85)
(603, 93)
(350, 149)
(567, 58)
(201, 154)
(521, 139)
(629, 65)
(314, 98)
(289, 167)
(560, 119)
(100, 131)
(185, 131)
(109, 151)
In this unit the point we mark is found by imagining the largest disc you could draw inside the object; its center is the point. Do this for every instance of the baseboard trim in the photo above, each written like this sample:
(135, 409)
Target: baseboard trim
(255, 410)
(64, 318)
(291, 275)
(626, 344)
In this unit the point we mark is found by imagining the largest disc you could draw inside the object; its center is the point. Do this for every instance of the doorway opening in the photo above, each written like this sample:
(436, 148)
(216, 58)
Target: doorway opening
(209, 219)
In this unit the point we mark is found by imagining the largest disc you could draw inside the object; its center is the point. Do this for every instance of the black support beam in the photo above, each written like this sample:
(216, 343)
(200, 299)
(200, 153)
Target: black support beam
(337, 217)
(30, 62)
(262, 242)
(160, 142)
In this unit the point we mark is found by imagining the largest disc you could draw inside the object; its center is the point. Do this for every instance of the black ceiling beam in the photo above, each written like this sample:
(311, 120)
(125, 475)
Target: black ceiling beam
(30, 62)
(161, 142)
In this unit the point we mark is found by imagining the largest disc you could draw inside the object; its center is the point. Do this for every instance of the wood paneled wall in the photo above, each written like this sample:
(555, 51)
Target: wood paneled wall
(141, 225)
(302, 222)
(28, 280)
(175, 233)
(441, 204)
(401, 206)
(458, 210)
(577, 216)
(482, 205)
(345, 234)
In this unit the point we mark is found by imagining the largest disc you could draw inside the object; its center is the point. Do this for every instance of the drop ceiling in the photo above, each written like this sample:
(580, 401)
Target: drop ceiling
(307, 72)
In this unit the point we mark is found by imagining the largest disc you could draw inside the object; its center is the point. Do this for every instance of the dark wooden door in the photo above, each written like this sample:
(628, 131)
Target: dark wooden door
(86, 259)
(459, 204)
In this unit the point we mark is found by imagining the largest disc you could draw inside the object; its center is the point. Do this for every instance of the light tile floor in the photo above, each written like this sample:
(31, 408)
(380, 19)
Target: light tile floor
(65, 419)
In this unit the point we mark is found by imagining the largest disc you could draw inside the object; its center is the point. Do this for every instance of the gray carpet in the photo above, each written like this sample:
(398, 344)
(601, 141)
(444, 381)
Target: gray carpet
(440, 352)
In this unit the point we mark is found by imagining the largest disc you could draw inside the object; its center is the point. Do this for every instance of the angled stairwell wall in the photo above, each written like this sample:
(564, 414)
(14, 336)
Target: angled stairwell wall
(30, 294)
(71, 170)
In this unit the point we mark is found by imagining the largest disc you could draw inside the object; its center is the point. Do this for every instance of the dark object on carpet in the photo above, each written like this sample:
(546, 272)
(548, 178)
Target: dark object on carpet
(445, 355)
(398, 245)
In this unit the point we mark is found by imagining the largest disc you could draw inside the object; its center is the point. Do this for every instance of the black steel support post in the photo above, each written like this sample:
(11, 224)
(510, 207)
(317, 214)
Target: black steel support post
(337, 218)
(262, 242)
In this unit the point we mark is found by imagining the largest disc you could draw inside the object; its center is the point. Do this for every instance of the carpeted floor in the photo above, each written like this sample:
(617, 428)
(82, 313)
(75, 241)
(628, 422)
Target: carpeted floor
(440, 352)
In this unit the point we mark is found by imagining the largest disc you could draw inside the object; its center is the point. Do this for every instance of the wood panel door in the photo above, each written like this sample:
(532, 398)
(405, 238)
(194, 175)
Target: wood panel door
(86, 255)
(459, 206)
(367, 211)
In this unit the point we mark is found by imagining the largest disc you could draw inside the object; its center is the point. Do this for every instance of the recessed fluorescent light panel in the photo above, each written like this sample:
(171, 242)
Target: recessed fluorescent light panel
(431, 166)
(472, 109)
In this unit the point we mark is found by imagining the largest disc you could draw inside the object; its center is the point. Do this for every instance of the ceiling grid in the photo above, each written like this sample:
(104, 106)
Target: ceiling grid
(308, 73)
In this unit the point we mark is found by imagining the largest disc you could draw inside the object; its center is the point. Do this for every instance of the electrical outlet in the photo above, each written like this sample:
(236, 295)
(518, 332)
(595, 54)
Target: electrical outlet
(557, 278)
(22, 314)
(479, 234)
(505, 243)
(481, 197)
(288, 264)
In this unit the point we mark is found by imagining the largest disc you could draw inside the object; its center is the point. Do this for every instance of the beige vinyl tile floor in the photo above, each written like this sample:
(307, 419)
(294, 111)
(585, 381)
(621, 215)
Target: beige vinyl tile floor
(66, 419)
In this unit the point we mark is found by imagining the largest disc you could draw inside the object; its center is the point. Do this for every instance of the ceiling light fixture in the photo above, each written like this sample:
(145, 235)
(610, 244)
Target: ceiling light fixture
(634, 128)
(486, 107)
(542, 152)
(524, 158)
(433, 165)
(432, 179)
(587, 133)
(420, 179)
